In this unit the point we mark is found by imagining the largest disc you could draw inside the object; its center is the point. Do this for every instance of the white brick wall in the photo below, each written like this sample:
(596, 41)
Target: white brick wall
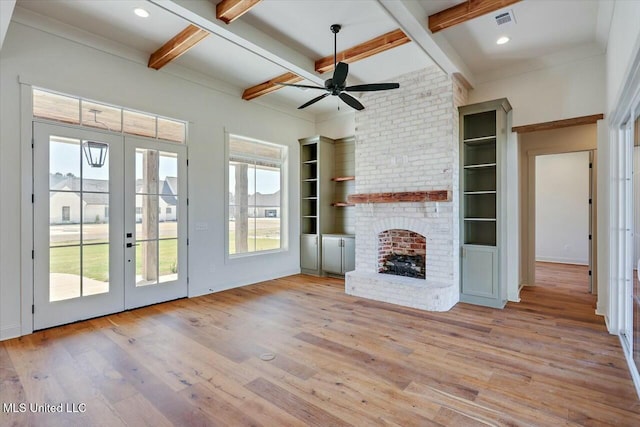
(407, 140)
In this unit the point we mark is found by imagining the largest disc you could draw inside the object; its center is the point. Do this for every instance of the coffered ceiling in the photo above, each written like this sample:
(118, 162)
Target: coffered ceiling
(278, 36)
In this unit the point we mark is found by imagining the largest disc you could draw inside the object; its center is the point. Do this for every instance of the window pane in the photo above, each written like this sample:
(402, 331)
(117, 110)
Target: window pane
(254, 195)
(147, 263)
(64, 163)
(95, 179)
(147, 219)
(64, 273)
(52, 106)
(147, 171)
(168, 173)
(168, 251)
(64, 218)
(95, 227)
(101, 116)
(95, 269)
(168, 227)
(139, 124)
(267, 228)
(171, 130)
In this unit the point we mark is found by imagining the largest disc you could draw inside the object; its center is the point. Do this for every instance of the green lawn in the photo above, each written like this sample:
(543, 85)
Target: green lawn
(262, 244)
(95, 260)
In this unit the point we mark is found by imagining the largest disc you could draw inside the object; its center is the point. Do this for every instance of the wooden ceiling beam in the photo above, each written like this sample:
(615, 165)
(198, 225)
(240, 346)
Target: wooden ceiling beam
(364, 50)
(464, 12)
(182, 42)
(229, 10)
(270, 86)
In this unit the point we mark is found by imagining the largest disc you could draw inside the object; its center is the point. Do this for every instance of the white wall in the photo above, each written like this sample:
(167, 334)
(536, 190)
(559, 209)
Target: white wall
(60, 64)
(6, 10)
(624, 42)
(564, 91)
(562, 208)
(337, 126)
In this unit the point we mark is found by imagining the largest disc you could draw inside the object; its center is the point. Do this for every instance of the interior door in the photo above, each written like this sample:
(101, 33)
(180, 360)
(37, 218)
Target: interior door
(78, 224)
(155, 221)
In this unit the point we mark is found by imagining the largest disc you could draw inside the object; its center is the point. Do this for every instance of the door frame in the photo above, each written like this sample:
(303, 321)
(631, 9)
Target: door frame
(26, 209)
(531, 212)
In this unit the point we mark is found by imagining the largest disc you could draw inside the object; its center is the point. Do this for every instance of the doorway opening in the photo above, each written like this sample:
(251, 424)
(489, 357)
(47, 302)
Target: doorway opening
(563, 221)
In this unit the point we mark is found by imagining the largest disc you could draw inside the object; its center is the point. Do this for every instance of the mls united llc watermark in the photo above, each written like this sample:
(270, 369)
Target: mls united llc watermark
(46, 408)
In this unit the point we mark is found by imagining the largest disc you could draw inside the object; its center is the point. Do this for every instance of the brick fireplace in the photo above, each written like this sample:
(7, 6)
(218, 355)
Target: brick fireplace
(407, 146)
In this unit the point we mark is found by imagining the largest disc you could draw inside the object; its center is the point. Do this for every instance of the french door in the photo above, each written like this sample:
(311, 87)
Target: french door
(155, 222)
(109, 229)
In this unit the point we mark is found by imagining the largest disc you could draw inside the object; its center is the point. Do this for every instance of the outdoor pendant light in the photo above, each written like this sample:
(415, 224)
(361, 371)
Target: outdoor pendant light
(95, 153)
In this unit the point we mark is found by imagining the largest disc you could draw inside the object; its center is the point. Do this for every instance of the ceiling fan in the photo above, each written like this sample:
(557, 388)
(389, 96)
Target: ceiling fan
(336, 85)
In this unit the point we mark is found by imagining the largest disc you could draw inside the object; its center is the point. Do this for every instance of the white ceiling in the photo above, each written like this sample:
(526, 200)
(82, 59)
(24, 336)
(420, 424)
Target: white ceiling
(544, 28)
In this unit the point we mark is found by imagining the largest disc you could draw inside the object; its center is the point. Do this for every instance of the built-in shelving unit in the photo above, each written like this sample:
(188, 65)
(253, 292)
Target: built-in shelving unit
(483, 136)
(326, 179)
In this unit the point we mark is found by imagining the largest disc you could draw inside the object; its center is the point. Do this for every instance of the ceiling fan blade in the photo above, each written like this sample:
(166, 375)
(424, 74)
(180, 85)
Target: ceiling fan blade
(340, 74)
(301, 86)
(372, 87)
(351, 101)
(313, 101)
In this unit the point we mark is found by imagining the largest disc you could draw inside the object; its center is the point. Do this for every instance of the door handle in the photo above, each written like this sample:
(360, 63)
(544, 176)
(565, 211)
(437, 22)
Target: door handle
(129, 245)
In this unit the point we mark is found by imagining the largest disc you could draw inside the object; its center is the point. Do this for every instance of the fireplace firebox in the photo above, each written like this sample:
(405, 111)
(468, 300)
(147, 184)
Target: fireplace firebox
(402, 253)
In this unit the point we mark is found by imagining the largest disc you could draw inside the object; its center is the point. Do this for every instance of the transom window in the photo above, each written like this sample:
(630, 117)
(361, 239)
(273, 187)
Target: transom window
(79, 111)
(255, 197)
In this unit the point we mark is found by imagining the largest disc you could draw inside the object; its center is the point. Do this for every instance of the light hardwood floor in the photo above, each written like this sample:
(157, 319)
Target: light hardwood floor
(339, 361)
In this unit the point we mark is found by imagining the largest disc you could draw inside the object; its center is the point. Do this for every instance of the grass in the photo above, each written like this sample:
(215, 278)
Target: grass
(262, 244)
(96, 260)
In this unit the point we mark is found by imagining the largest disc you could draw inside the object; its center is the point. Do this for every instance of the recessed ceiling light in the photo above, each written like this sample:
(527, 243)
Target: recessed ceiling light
(503, 40)
(141, 12)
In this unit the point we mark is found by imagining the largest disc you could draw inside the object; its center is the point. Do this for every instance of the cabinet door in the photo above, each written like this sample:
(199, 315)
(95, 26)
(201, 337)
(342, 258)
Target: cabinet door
(348, 254)
(480, 271)
(309, 252)
(332, 254)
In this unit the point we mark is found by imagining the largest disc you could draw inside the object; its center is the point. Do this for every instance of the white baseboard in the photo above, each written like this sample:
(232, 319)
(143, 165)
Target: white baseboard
(11, 331)
(557, 260)
(244, 282)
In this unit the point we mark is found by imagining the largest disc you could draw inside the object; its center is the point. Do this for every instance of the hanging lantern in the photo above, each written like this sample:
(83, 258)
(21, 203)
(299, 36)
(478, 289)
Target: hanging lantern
(95, 153)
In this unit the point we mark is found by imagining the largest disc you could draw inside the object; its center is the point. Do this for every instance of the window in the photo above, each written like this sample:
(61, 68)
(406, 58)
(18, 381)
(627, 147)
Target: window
(168, 211)
(255, 197)
(75, 110)
(106, 212)
(66, 213)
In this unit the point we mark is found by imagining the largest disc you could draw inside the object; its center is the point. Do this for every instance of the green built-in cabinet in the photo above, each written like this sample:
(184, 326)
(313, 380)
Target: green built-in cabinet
(327, 176)
(483, 138)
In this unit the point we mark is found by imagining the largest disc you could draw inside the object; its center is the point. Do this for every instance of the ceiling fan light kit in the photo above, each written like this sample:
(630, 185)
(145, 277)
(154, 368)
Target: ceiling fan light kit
(337, 84)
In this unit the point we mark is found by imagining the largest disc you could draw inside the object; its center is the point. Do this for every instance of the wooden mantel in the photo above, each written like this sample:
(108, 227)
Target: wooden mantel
(407, 196)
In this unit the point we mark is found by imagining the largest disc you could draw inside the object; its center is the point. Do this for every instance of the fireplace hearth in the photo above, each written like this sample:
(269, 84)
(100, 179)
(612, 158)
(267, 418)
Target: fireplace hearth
(404, 265)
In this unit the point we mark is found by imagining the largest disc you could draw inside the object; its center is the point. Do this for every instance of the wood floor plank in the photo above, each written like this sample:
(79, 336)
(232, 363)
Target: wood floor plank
(296, 406)
(339, 360)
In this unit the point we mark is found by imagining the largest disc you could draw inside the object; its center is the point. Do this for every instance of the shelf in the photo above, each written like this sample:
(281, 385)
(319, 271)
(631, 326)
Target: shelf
(309, 216)
(471, 193)
(342, 204)
(310, 162)
(483, 165)
(310, 180)
(343, 178)
(481, 219)
(310, 198)
(481, 139)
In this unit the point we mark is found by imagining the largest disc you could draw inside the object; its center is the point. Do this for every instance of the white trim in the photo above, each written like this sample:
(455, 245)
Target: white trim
(11, 331)
(26, 209)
